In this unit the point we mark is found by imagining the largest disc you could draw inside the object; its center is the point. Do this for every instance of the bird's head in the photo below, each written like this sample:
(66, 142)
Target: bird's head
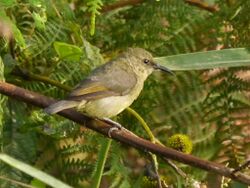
(142, 60)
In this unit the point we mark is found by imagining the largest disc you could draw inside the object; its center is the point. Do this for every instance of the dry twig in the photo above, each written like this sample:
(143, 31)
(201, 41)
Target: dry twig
(203, 5)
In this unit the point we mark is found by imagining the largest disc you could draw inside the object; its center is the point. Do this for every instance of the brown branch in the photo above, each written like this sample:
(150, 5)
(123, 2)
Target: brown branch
(202, 5)
(120, 4)
(241, 167)
(123, 3)
(124, 136)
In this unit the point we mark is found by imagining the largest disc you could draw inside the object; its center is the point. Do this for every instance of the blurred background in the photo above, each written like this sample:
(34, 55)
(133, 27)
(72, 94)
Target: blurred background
(49, 46)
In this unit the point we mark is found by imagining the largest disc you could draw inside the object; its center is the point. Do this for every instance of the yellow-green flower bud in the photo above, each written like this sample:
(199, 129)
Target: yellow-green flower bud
(147, 182)
(181, 143)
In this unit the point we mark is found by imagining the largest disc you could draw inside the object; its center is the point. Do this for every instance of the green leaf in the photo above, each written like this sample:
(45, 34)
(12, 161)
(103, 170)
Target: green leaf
(37, 3)
(234, 57)
(101, 160)
(38, 184)
(2, 104)
(1, 69)
(7, 3)
(92, 54)
(9, 64)
(18, 36)
(40, 20)
(68, 51)
(49, 180)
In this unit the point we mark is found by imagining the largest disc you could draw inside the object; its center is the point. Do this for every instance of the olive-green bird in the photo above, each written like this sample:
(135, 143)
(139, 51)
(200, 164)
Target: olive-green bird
(112, 87)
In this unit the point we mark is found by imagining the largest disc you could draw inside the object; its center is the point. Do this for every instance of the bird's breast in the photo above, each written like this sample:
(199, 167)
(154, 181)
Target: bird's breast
(111, 106)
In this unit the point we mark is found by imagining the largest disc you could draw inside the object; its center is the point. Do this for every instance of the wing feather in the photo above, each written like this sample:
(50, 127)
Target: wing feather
(107, 80)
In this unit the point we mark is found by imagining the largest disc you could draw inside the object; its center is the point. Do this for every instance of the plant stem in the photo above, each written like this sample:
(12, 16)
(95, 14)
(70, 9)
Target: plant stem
(34, 77)
(101, 160)
(143, 123)
(120, 4)
(16, 182)
(152, 139)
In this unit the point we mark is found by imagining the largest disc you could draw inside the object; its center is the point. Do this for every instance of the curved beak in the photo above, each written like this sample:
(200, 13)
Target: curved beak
(162, 68)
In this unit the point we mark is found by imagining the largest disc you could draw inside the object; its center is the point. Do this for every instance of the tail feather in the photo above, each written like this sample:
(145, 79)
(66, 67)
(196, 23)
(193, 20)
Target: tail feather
(59, 106)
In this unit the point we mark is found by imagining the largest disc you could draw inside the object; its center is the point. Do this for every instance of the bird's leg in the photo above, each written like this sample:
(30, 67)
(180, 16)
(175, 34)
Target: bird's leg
(114, 123)
(116, 126)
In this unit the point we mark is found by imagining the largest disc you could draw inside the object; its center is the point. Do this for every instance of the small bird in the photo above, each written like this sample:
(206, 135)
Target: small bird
(112, 87)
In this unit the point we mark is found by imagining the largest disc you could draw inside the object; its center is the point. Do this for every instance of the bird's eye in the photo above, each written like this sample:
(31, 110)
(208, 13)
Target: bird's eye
(146, 61)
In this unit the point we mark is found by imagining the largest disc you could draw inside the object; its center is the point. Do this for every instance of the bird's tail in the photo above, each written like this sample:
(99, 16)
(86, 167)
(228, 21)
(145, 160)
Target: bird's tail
(60, 105)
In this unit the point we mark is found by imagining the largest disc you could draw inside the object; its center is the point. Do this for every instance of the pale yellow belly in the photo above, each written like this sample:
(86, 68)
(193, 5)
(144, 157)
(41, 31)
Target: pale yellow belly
(107, 107)
(111, 106)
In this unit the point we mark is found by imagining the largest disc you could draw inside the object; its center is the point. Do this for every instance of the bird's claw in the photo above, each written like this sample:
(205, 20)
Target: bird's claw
(116, 126)
(111, 130)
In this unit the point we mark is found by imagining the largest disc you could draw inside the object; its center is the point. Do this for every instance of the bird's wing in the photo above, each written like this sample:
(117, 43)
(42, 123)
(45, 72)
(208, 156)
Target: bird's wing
(108, 80)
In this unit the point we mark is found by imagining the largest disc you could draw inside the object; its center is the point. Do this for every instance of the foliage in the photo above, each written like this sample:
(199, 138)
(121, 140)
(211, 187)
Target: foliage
(63, 40)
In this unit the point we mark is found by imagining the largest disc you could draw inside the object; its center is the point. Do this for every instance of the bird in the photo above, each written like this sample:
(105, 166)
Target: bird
(111, 87)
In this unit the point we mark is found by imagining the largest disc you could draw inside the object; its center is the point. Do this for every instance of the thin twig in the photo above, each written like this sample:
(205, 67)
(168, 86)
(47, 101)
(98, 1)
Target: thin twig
(123, 3)
(120, 4)
(155, 166)
(16, 182)
(177, 169)
(124, 136)
(241, 167)
(34, 77)
(203, 5)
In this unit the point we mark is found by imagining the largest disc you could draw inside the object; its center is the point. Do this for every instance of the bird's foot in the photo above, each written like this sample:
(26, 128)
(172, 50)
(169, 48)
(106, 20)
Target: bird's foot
(116, 126)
